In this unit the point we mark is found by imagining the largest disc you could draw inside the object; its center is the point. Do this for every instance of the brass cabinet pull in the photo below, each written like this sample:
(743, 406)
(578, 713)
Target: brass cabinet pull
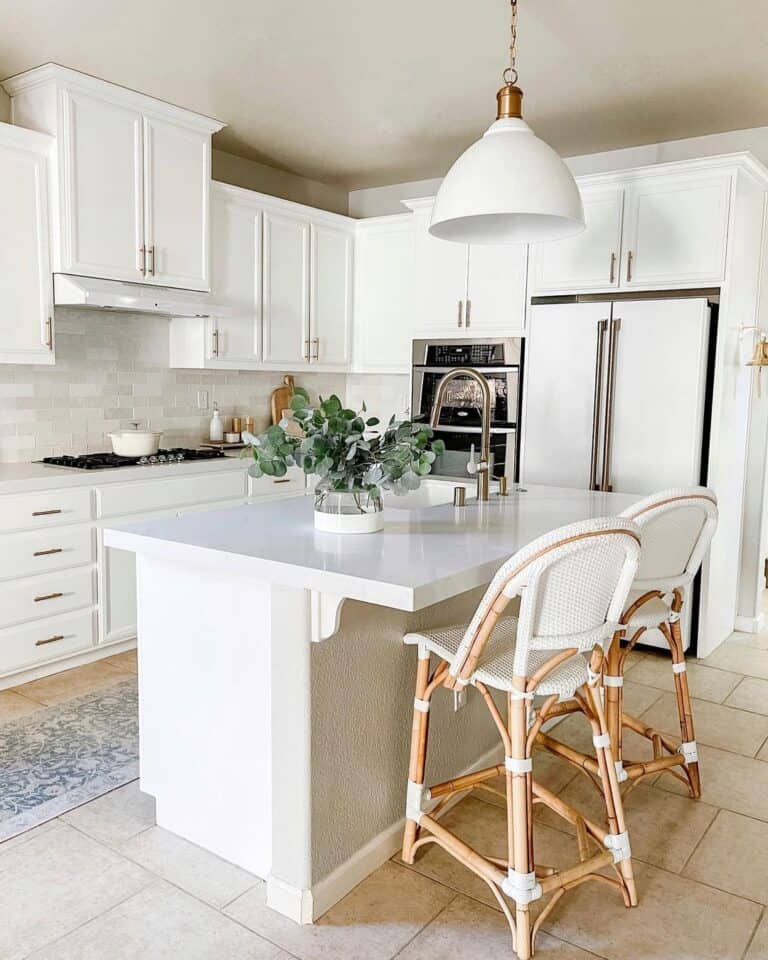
(467, 315)
(283, 480)
(629, 267)
(47, 553)
(49, 333)
(44, 513)
(49, 596)
(460, 320)
(215, 344)
(305, 354)
(151, 265)
(316, 354)
(613, 268)
(142, 267)
(58, 636)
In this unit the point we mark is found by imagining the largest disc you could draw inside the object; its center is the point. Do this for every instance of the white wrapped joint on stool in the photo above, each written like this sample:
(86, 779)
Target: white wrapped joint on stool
(618, 844)
(516, 765)
(414, 799)
(689, 751)
(521, 887)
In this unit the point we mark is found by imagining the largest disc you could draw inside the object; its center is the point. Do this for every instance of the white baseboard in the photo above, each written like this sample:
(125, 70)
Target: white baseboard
(292, 902)
(377, 851)
(750, 624)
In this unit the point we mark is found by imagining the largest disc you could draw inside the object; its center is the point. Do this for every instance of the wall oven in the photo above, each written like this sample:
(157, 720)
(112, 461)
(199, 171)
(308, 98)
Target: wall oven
(501, 362)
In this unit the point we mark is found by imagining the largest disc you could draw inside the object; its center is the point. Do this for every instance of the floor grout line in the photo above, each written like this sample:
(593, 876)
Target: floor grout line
(754, 933)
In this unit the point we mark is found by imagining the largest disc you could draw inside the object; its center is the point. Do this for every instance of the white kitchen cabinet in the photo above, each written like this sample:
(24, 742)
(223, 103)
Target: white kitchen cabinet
(590, 260)
(675, 230)
(133, 178)
(440, 278)
(26, 321)
(330, 299)
(285, 308)
(383, 299)
(101, 188)
(235, 279)
(459, 287)
(176, 203)
(495, 301)
(654, 228)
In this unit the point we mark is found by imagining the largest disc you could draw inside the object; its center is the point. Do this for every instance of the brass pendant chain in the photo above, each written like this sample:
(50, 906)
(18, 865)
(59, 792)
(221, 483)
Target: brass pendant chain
(510, 74)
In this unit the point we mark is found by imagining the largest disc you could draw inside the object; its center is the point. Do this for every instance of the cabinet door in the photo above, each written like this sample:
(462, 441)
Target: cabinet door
(590, 260)
(235, 279)
(178, 175)
(102, 219)
(496, 297)
(25, 272)
(285, 329)
(440, 281)
(675, 230)
(560, 362)
(330, 318)
(383, 314)
(658, 408)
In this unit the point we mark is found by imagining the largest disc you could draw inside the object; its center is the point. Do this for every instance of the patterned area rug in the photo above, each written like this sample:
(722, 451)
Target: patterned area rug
(62, 756)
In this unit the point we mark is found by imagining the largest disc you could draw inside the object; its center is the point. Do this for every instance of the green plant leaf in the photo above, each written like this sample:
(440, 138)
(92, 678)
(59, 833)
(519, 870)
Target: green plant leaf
(332, 406)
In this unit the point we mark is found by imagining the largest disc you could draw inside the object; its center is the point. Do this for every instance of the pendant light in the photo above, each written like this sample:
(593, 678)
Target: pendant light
(509, 186)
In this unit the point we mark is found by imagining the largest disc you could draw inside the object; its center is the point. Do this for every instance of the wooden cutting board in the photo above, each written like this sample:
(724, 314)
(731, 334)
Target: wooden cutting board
(281, 398)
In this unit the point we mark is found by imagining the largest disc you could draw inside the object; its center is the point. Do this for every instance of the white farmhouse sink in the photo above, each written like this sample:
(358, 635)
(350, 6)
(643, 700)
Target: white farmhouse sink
(431, 493)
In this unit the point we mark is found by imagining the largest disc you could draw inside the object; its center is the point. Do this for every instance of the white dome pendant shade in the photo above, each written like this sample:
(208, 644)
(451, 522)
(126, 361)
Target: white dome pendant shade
(508, 187)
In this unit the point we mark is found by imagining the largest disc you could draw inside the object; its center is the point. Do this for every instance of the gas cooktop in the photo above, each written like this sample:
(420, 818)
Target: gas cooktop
(106, 461)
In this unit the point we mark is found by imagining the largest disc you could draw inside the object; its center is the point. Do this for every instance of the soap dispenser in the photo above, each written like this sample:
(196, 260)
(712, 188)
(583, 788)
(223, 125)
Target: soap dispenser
(216, 431)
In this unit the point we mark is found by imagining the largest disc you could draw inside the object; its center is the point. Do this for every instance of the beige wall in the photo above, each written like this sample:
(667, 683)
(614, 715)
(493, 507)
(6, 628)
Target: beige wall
(5, 107)
(277, 183)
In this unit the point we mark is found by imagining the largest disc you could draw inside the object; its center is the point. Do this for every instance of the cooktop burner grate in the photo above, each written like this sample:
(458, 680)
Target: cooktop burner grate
(106, 461)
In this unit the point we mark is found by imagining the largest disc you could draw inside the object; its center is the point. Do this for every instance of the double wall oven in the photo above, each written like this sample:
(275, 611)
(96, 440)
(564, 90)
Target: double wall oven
(501, 363)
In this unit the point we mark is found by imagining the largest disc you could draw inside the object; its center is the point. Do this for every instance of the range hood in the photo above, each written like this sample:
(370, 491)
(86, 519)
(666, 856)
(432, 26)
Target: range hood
(95, 294)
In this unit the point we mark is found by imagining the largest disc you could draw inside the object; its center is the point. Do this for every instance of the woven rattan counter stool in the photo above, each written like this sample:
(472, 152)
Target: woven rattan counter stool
(572, 584)
(677, 527)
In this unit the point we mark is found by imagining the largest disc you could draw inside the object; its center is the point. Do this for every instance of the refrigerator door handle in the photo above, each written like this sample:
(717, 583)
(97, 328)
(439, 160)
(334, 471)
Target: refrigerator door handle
(602, 326)
(610, 384)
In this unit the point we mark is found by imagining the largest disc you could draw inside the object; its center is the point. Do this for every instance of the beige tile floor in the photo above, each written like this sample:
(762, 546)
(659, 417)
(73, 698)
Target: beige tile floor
(103, 881)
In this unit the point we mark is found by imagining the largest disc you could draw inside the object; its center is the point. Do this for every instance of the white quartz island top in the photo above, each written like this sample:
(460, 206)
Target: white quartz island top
(422, 556)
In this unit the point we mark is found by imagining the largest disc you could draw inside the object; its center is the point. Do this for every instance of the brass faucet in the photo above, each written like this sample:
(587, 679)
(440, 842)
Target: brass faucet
(483, 468)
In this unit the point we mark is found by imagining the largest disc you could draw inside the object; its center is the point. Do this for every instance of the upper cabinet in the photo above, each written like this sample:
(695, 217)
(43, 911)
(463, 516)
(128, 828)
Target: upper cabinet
(462, 290)
(26, 320)
(589, 261)
(133, 178)
(384, 308)
(646, 230)
(284, 274)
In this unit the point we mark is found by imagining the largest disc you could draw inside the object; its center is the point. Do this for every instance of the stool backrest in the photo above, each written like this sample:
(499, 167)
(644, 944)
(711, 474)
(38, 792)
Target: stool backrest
(572, 584)
(678, 526)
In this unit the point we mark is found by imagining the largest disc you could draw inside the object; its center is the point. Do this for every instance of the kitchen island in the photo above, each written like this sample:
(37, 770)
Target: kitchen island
(275, 691)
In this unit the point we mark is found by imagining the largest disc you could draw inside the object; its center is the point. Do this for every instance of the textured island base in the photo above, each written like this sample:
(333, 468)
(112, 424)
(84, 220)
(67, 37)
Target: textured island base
(286, 756)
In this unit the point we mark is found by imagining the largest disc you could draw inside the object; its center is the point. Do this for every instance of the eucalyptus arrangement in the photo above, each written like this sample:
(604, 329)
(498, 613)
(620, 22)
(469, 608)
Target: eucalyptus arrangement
(342, 448)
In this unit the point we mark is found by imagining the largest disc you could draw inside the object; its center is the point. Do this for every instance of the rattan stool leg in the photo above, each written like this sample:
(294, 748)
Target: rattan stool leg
(673, 635)
(520, 831)
(614, 806)
(419, 732)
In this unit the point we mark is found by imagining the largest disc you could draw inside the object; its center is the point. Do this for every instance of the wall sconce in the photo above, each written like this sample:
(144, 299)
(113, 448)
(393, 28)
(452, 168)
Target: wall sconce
(760, 354)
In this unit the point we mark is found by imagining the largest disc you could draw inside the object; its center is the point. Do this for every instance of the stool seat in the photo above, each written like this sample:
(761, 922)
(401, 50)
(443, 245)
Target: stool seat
(649, 615)
(495, 668)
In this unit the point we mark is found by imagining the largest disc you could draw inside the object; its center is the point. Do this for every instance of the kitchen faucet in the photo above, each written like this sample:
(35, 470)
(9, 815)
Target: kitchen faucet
(483, 468)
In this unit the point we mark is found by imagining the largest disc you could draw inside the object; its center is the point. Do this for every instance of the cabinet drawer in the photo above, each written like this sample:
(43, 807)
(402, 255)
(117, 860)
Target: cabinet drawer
(45, 640)
(32, 511)
(25, 554)
(119, 499)
(260, 488)
(50, 595)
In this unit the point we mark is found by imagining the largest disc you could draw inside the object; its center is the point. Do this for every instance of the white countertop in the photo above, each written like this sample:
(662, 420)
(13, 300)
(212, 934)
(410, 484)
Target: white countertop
(24, 477)
(421, 557)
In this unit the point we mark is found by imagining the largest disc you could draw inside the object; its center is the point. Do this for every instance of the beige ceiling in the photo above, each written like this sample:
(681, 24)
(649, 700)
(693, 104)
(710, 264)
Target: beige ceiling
(366, 92)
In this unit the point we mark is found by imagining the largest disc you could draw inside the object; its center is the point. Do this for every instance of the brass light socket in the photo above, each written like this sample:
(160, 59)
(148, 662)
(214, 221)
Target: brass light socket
(509, 102)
